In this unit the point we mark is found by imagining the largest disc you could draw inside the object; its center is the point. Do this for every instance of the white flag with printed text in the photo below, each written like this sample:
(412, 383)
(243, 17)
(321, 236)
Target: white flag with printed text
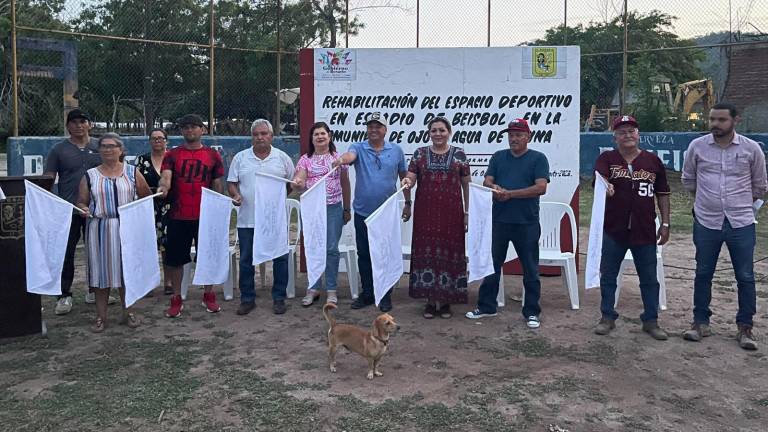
(47, 219)
(384, 243)
(270, 230)
(595, 246)
(315, 229)
(138, 246)
(479, 232)
(212, 252)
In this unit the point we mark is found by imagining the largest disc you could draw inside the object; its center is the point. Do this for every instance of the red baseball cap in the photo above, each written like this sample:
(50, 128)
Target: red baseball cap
(517, 125)
(623, 120)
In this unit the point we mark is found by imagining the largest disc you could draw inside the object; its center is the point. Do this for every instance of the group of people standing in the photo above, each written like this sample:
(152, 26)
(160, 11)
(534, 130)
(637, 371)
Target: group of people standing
(724, 169)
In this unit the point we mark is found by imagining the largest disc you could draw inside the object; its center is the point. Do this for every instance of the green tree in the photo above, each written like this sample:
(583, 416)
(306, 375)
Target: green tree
(601, 60)
(144, 82)
(40, 99)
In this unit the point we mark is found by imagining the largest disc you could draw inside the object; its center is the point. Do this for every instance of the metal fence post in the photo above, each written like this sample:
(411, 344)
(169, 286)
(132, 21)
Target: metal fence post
(276, 125)
(212, 75)
(489, 23)
(418, 10)
(623, 94)
(346, 17)
(15, 72)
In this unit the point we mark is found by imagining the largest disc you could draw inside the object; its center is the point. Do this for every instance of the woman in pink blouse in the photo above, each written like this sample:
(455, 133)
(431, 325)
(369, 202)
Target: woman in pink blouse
(310, 169)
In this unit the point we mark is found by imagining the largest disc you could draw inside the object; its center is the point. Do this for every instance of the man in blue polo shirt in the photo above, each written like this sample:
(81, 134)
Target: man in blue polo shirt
(378, 165)
(519, 176)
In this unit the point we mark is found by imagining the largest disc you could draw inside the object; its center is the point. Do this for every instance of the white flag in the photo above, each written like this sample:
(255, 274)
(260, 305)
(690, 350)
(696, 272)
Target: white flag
(213, 239)
(314, 222)
(479, 232)
(138, 245)
(2, 194)
(270, 230)
(47, 219)
(595, 246)
(384, 242)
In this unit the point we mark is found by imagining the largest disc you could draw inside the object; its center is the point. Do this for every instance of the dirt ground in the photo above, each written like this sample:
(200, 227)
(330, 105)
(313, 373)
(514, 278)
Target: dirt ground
(206, 372)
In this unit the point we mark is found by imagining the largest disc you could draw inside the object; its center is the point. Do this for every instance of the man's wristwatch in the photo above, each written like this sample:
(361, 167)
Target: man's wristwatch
(665, 225)
(408, 203)
(346, 210)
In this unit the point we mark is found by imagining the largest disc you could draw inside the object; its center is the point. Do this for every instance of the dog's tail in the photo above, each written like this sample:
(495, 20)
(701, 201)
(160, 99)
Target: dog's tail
(331, 320)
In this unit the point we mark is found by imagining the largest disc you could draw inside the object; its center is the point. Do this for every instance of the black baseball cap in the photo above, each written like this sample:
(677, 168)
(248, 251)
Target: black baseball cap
(191, 119)
(77, 113)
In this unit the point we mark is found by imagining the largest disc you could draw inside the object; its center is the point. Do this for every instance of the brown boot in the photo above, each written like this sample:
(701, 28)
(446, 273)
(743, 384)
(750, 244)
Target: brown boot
(605, 326)
(697, 332)
(745, 337)
(653, 329)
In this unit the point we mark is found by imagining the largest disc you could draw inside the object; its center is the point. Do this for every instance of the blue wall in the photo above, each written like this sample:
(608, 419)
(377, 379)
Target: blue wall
(669, 146)
(26, 155)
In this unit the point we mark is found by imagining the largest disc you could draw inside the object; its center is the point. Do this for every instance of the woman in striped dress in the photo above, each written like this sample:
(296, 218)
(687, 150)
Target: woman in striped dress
(102, 190)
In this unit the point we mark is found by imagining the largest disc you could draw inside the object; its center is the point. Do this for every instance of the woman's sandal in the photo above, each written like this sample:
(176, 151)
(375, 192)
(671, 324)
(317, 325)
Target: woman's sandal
(445, 312)
(98, 326)
(429, 311)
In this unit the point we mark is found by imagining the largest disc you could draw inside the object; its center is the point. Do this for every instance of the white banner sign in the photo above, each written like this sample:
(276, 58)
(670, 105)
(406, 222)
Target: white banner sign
(270, 231)
(138, 244)
(47, 219)
(479, 90)
(213, 239)
(314, 220)
(595, 246)
(479, 232)
(384, 244)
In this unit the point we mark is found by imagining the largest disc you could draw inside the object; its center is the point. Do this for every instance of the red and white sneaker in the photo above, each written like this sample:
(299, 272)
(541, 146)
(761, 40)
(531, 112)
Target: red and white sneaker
(209, 302)
(177, 305)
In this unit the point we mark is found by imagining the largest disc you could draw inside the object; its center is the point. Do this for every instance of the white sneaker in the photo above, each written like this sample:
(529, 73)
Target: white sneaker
(476, 314)
(533, 322)
(331, 297)
(63, 306)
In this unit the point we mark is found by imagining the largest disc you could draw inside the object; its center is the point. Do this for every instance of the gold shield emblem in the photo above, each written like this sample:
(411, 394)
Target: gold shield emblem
(544, 62)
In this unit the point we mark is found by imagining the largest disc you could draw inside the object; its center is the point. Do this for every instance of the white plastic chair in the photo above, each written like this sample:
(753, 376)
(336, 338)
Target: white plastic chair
(629, 259)
(228, 286)
(550, 253)
(291, 206)
(348, 255)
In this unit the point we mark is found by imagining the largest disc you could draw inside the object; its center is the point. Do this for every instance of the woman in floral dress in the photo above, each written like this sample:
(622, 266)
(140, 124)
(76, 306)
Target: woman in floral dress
(438, 261)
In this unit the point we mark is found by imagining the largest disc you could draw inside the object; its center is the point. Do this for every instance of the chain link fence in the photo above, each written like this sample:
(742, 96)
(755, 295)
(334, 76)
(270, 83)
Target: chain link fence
(139, 64)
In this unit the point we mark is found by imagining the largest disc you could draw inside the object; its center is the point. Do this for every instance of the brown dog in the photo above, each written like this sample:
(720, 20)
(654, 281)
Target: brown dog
(370, 344)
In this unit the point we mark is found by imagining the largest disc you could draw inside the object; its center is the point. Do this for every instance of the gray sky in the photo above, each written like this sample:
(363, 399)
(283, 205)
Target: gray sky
(452, 23)
(446, 23)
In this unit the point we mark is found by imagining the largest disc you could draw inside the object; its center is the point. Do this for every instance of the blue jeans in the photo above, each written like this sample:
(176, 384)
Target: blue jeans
(645, 263)
(247, 270)
(335, 215)
(741, 247)
(525, 239)
(364, 263)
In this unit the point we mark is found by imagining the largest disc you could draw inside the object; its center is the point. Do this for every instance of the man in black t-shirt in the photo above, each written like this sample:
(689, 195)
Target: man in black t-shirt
(637, 181)
(519, 176)
(70, 159)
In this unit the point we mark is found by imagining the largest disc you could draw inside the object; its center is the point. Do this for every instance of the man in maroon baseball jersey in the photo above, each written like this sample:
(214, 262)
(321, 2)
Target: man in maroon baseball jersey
(185, 171)
(637, 182)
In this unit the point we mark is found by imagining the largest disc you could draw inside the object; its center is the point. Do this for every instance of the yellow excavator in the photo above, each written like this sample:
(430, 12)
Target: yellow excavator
(690, 93)
(692, 100)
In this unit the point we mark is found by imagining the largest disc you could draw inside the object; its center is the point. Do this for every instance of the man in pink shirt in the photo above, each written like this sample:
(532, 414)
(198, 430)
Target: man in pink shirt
(727, 173)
